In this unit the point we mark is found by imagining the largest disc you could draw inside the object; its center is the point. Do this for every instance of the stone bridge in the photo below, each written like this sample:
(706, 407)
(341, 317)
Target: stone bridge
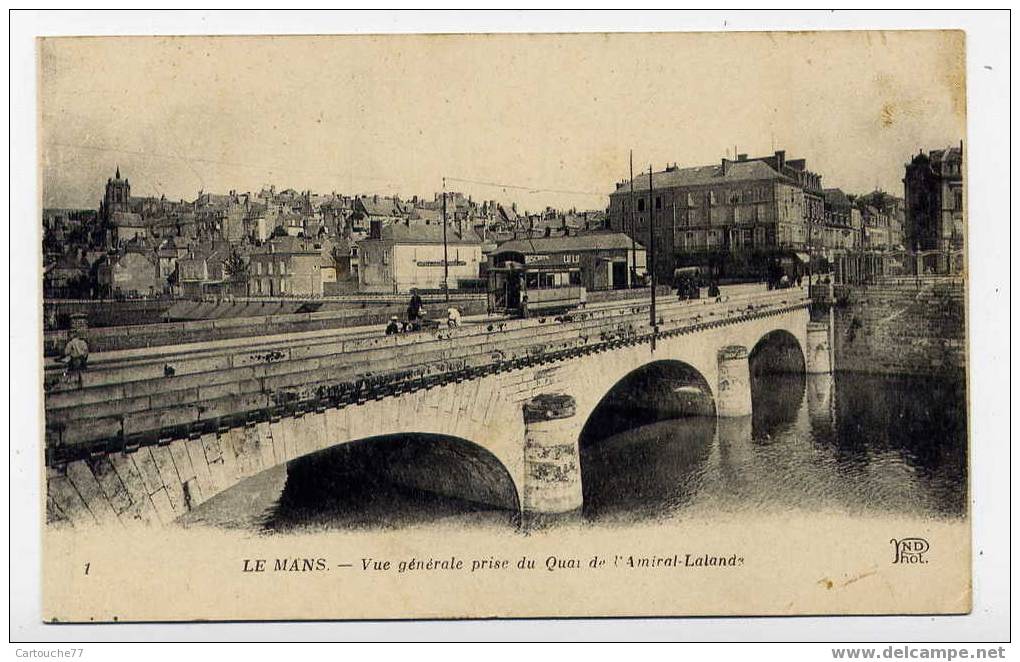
(144, 439)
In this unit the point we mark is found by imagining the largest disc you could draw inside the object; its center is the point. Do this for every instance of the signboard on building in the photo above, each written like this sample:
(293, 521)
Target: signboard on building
(439, 263)
(566, 258)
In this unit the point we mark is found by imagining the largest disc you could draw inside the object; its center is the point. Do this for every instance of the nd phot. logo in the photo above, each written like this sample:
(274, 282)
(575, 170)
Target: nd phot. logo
(909, 550)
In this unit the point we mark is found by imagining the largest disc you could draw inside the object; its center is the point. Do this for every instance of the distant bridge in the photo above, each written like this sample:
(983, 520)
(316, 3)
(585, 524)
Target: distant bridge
(148, 436)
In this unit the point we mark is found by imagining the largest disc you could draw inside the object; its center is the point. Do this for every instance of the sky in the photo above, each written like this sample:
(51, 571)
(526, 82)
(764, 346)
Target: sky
(533, 119)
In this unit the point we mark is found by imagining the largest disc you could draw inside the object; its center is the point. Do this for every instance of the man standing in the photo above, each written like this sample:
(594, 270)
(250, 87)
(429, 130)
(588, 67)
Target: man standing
(414, 307)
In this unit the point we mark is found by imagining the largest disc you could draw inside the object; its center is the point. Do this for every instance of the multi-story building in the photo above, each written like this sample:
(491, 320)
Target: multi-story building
(877, 234)
(841, 230)
(286, 266)
(734, 218)
(131, 273)
(933, 191)
(397, 257)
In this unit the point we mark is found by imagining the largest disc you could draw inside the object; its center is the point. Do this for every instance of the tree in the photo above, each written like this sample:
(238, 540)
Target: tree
(235, 268)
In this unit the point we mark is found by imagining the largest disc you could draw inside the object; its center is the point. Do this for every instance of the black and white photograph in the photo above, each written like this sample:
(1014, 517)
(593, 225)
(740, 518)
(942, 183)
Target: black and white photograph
(391, 326)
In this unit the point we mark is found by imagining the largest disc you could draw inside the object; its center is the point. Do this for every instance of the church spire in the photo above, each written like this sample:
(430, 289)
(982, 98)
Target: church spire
(117, 176)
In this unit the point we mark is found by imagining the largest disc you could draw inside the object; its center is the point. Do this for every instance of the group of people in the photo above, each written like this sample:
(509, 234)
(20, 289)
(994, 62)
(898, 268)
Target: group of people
(416, 317)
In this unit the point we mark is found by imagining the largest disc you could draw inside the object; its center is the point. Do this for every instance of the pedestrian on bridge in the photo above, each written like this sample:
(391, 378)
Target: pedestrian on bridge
(393, 327)
(453, 317)
(414, 307)
(76, 354)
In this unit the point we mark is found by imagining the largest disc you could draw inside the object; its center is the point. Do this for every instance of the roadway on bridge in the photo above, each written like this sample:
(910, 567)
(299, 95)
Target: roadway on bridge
(124, 357)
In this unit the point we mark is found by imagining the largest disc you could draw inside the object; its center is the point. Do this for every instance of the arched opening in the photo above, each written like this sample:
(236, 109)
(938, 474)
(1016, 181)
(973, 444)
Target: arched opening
(657, 391)
(777, 384)
(381, 482)
(646, 443)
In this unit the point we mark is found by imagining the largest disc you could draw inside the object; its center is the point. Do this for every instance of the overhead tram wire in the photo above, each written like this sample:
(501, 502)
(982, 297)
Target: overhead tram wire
(520, 187)
(276, 168)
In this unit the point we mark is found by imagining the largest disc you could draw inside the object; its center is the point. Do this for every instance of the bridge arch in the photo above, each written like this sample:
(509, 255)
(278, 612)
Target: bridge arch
(777, 351)
(655, 391)
(389, 478)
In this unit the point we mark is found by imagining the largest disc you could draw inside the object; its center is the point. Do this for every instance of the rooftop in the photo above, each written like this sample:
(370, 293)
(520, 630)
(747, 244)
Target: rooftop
(703, 175)
(579, 242)
(418, 233)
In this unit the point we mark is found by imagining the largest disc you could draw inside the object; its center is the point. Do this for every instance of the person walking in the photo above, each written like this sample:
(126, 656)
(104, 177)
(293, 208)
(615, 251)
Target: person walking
(453, 317)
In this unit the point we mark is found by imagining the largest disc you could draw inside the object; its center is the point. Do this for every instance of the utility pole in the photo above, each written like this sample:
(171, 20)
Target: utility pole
(672, 239)
(651, 247)
(633, 230)
(446, 255)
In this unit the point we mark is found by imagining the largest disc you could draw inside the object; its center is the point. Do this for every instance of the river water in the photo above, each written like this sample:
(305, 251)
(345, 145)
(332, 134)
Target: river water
(856, 444)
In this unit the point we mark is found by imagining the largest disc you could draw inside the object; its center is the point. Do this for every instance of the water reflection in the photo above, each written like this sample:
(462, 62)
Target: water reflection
(853, 443)
(646, 472)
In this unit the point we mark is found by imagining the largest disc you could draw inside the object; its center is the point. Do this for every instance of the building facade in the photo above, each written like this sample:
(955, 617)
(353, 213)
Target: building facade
(286, 266)
(606, 260)
(934, 219)
(731, 218)
(398, 257)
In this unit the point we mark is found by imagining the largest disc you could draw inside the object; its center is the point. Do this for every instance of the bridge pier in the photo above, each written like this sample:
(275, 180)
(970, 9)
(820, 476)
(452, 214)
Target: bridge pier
(552, 467)
(734, 392)
(818, 359)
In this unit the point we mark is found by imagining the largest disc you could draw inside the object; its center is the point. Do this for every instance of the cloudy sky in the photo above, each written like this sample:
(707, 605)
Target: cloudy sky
(536, 119)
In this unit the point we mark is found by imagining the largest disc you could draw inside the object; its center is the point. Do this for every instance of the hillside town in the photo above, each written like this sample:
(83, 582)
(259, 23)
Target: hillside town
(738, 219)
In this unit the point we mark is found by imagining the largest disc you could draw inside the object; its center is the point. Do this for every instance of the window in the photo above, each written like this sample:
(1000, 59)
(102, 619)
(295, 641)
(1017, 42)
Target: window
(385, 257)
(641, 204)
(713, 198)
(658, 202)
(692, 199)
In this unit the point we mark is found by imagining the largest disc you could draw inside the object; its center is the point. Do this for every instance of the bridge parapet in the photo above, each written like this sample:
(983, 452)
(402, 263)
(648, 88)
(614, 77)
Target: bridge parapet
(232, 390)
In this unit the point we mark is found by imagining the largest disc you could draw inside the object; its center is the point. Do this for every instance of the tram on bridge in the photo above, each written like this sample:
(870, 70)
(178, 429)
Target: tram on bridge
(523, 286)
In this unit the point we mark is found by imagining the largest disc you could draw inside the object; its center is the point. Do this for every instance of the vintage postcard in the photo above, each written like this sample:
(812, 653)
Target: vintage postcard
(504, 325)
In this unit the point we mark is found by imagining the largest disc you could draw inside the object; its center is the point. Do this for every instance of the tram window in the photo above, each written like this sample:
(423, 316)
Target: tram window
(575, 277)
(531, 280)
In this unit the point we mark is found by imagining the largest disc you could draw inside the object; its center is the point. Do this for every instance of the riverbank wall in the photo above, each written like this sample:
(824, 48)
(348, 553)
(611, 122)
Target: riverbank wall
(900, 326)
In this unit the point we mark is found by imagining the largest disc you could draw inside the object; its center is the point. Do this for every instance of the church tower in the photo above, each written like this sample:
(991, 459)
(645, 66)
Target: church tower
(117, 197)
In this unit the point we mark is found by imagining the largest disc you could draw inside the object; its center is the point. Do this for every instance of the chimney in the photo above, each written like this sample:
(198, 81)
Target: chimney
(375, 229)
(781, 159)
(725, 165)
